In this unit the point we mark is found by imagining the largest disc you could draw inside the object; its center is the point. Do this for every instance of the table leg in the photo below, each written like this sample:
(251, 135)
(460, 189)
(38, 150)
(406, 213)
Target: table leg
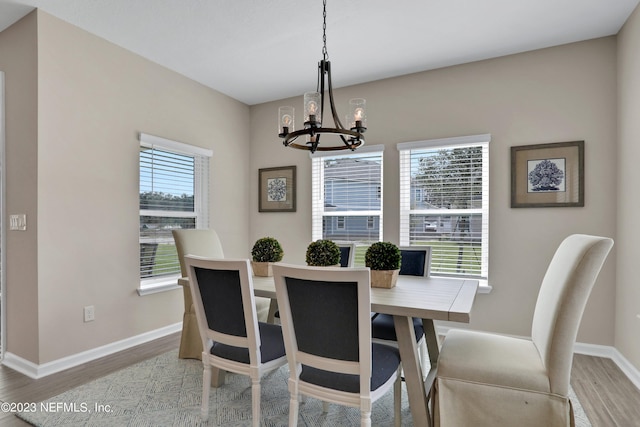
(412, 370)
(433, 347)
(217, 377)
(273, 307)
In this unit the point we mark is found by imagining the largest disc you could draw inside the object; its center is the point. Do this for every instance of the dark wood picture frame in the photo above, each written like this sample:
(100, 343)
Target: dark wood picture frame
(547, 175)
(277, 189)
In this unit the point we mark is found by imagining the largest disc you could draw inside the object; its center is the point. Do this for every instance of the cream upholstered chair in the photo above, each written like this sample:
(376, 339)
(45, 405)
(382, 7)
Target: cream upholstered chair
(325, 315)
(204, 243)
(232, 337)
(493, 380)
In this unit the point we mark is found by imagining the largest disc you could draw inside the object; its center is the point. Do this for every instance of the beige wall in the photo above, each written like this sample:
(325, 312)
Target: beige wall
(18, 59)
(628, 287)
(92, 100)
(559, 94)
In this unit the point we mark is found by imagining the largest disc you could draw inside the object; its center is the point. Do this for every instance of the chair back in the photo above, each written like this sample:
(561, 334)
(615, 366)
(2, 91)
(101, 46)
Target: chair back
(561, 301)
(347, 253)
(415, 261)
(325, 314)
(147, 258)
(199, 242)
(223, 297)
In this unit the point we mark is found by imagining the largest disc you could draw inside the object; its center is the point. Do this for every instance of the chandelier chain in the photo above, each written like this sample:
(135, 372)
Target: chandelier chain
(325, 54)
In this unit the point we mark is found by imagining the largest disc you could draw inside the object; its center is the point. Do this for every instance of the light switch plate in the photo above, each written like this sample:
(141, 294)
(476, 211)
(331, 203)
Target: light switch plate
(18, 222)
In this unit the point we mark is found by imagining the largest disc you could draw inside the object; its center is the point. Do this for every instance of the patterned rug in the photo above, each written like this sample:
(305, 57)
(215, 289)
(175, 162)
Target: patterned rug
(166, 391)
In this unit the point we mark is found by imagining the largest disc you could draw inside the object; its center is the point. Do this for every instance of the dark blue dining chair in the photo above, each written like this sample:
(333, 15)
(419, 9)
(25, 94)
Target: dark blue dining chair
(347, 253)
(327, 334)
(232, 338)
(415, 261)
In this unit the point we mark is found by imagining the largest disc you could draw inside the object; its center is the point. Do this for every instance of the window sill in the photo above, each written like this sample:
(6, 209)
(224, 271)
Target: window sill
(149, 287)
(484, 287)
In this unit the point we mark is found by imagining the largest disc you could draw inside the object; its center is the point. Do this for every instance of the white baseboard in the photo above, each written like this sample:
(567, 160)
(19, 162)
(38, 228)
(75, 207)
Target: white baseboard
(626, 367)
(592, 350)
(612, 353)
(35, 371)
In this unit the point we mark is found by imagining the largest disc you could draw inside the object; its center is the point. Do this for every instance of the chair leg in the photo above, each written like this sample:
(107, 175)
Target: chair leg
(293, 410)
(206, 387)
(365, 418)
(397, 401)
(255, 402)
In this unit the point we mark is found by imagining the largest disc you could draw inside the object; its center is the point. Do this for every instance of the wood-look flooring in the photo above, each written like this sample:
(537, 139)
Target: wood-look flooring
(609, 398)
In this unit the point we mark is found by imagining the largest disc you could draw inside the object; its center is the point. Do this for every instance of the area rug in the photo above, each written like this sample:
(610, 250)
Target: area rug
(166, 391)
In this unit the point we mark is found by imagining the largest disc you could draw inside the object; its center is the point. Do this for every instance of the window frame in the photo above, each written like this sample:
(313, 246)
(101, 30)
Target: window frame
(200, 211)
(406, 196)
(318, 193)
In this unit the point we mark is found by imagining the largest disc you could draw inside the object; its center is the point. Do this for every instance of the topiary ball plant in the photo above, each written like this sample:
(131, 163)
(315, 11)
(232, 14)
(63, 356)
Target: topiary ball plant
(267, 249)
(382, 256)
(323, 253)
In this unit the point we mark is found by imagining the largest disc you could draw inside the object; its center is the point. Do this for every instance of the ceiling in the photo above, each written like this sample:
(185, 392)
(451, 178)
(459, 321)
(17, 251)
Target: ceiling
(258, 50)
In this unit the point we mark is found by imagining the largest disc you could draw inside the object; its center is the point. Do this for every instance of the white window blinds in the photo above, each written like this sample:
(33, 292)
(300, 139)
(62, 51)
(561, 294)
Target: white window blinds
(347, 196)
(444, 202)
(174, 192)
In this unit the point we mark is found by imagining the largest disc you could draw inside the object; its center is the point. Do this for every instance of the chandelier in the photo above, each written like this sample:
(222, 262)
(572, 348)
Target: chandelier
(350, 137)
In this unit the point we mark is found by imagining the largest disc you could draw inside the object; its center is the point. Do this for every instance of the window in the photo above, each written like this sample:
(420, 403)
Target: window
(173, 194)
(371, 222)
(417, 194)
(444, 202)
(347, 197)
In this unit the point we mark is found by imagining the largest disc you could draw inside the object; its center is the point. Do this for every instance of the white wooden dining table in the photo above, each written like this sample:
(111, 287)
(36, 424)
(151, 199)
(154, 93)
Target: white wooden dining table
(427, 298)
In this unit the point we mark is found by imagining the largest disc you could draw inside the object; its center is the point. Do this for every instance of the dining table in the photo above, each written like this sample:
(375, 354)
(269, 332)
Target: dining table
(427, 298)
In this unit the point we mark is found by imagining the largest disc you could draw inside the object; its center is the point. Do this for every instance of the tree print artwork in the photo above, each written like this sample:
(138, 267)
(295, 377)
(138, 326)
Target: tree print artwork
(546, 175)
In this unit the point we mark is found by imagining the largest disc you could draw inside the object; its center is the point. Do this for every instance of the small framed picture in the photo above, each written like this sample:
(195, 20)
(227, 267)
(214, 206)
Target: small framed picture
(547, 175)
(277, 189)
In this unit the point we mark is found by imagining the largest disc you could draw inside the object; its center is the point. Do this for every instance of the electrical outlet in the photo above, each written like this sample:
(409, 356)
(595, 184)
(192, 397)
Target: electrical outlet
(89, 313)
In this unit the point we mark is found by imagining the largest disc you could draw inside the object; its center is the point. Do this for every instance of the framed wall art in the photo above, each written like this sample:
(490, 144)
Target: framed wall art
(547, 175)
(277, 189)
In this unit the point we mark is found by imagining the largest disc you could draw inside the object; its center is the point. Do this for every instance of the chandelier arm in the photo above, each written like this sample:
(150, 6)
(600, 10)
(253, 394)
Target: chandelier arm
(348, 142)
(336, 119)
(321, 72)
(289, 138)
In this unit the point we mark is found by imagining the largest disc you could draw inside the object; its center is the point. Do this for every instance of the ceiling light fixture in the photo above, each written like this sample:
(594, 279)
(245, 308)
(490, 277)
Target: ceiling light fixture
(350, 138)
